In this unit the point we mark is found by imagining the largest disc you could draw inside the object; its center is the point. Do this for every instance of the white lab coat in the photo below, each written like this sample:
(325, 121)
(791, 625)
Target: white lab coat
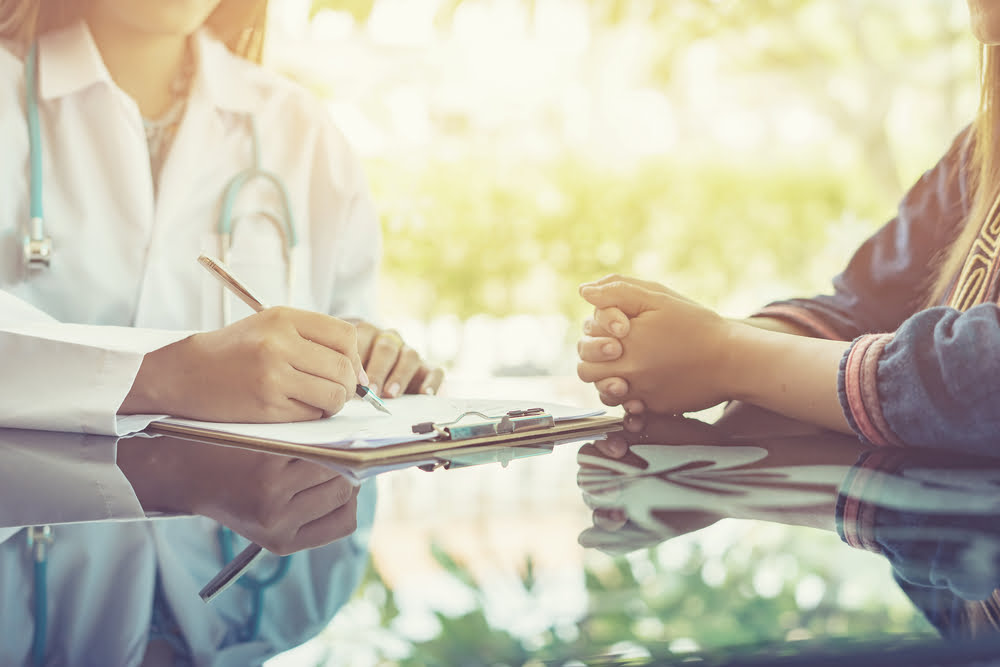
(124, 281)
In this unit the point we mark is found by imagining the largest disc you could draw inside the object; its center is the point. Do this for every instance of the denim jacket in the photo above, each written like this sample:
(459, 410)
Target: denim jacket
(933, 515)
(913, 375)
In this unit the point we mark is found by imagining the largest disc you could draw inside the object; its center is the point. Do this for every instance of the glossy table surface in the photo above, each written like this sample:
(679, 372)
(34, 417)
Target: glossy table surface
(749, 540)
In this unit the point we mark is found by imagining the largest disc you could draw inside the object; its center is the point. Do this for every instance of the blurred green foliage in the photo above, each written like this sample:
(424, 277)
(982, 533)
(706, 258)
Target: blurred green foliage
(481, 237)
(475, 235)
(637, 604)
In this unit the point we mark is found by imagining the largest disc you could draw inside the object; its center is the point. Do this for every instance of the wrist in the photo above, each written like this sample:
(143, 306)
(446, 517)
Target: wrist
(152, 390)
(743, 364)
(150, 465)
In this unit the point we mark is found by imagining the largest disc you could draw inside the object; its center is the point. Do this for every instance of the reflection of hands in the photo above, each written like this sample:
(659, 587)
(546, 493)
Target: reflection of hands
(619, 525)
(674, 475)
(671, 356)
(613, 531)
(283, 504)
(393, 367)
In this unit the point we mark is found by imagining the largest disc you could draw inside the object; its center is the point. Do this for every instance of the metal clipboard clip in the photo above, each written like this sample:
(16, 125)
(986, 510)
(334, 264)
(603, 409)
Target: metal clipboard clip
(515, 421)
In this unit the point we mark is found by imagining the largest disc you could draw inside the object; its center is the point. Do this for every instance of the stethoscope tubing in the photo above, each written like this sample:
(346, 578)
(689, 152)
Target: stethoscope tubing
(37, 255)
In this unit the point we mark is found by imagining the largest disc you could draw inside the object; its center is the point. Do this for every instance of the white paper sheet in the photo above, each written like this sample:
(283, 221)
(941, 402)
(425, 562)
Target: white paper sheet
(359, 425)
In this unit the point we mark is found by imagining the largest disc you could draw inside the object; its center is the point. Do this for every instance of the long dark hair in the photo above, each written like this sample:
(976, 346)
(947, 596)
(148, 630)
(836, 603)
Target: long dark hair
(240, 24)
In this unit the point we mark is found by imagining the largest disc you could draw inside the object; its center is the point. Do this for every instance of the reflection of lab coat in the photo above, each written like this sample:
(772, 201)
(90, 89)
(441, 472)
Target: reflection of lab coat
(101, 576)
(124, 281)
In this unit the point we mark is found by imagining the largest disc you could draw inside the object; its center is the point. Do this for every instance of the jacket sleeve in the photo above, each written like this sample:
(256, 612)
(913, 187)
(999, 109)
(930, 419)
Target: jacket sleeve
(887, 276)
(932, 383)
(933, 516)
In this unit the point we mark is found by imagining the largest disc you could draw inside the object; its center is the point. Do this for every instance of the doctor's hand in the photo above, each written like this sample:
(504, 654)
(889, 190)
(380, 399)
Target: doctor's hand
(393, 367)
(283, 504)
(674, 356)
(280, 364)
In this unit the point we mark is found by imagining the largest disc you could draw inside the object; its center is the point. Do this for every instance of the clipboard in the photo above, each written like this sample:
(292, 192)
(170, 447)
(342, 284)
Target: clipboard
(420, 451)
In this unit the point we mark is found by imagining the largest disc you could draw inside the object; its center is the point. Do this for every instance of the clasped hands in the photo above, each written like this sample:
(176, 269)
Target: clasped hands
(648, 347)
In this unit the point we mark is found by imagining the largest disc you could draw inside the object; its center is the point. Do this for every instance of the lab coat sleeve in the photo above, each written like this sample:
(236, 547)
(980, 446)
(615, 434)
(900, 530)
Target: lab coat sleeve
(67, 377)
(52, 478)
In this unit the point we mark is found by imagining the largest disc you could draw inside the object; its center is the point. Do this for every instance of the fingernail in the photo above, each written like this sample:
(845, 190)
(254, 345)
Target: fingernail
(609, 348)
(393, 390)
(429, 391)
(363, 377)
(618, 329)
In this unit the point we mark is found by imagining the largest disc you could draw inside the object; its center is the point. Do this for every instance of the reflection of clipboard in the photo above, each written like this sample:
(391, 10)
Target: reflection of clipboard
(420, 451)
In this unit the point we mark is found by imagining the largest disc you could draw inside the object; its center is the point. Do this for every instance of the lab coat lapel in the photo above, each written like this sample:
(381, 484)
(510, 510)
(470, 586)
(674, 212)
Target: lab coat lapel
(218, 94)
(192, 163)
(193, 176)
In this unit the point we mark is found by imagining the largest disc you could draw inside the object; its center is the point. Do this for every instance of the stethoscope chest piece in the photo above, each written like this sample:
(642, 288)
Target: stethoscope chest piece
(37, 247)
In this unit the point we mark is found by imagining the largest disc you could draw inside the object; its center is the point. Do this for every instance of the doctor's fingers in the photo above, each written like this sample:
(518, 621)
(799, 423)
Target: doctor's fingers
(318, 500)
(333, 525)
(313, 518)
(327, 396)
(328, 332)
(302, 474)
(427, 380)
(366, 333)
(387, 350)
(598, 349)
(407, 366)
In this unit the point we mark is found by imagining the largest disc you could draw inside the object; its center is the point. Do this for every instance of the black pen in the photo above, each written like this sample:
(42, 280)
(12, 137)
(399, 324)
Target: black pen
(236, 567)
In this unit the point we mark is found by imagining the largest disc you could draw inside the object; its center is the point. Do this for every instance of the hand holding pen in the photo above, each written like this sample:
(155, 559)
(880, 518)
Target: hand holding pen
(329, 332)
(278, 365)
(313, 332)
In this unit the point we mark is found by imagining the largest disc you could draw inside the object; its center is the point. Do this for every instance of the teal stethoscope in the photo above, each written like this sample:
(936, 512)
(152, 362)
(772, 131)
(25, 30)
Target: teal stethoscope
(38, 247)
(37, 254)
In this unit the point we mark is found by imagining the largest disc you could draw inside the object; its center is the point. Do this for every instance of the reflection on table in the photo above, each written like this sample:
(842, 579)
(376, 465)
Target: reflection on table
(695, 537)
(933, 514)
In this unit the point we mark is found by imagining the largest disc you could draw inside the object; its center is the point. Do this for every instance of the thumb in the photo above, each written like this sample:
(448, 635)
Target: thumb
(630, 299)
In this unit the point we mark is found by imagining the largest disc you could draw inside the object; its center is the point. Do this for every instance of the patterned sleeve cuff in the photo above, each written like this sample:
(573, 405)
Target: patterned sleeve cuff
(858, 500)
(857, 386)
(801, 318)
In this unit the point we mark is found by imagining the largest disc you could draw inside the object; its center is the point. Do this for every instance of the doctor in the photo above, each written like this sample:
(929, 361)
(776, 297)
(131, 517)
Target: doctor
(124, 125)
